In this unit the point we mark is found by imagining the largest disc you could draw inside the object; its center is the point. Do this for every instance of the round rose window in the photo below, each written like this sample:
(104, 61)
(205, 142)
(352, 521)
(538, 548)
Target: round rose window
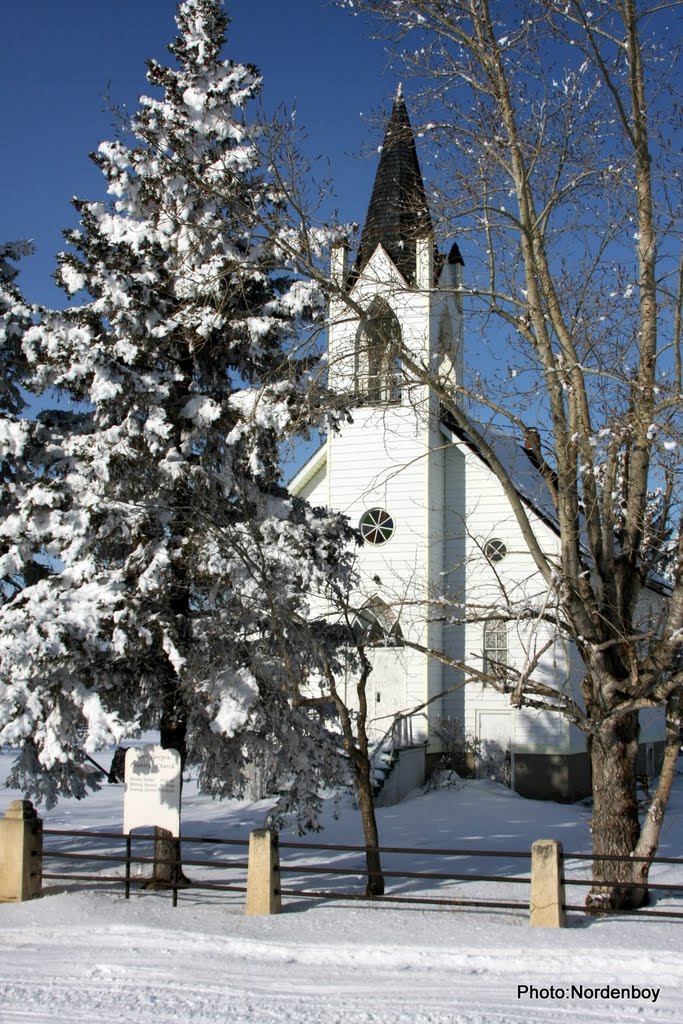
(376, 526)
(495, 550)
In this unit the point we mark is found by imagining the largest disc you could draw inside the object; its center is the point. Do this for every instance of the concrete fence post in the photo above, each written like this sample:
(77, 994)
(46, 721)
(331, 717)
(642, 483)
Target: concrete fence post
(263, 877)
(547, 887)
(21, 853)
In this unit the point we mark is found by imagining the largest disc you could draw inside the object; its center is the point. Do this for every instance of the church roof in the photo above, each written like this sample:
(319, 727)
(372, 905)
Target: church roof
(398, 213)
(521, 467)
(518, 463)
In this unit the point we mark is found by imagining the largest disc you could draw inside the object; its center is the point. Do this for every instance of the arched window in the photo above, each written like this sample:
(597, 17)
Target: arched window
(495, 653)
(377, 625)
(378, 363)
(446, 336)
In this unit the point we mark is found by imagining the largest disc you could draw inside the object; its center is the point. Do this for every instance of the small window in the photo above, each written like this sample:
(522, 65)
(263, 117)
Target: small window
(376, 526)
(495, 550)
(495, 654)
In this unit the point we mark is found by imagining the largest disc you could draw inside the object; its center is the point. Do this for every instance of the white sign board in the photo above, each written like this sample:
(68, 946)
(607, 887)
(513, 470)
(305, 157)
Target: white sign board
(152, 793)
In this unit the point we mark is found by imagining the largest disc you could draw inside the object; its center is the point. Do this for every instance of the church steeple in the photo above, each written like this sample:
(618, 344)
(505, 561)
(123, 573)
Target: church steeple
(398, 213)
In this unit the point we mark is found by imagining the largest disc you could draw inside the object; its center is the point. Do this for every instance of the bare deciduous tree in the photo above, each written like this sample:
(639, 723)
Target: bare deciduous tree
(553, 125)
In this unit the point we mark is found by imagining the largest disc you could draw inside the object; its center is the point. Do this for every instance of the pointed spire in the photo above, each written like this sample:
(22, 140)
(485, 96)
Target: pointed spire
(398, 213)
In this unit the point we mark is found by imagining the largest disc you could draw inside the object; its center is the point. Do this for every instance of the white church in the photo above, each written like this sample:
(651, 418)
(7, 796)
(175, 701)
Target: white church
(440, 537)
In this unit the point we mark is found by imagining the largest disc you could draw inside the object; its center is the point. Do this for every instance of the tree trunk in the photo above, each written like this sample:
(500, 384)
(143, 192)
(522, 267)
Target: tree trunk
(615, 825)
(167, 872)
(375, 883)
(357, 748)
(168, 869)
(652, 826)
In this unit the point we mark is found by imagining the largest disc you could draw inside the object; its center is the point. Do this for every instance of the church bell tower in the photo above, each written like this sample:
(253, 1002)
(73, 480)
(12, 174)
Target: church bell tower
(394, 300)
(396, 319)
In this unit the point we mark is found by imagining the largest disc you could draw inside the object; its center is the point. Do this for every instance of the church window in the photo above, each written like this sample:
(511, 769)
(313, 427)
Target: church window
(445, 346)
(377, 625)
(376, 526)
(378, 363)
(495, 550)
(495, 646)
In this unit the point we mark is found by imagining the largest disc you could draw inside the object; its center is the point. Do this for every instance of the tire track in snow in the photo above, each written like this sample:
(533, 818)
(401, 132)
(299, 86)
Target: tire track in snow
(273, 984)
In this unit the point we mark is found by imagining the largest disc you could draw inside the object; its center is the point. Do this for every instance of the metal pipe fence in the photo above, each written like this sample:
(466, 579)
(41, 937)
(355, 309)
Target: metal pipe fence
(354, 870)
(350, 870)
(128, 859)
(591, 883)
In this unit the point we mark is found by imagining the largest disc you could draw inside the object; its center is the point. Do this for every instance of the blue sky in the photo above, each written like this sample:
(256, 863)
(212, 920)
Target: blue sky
(60, 58)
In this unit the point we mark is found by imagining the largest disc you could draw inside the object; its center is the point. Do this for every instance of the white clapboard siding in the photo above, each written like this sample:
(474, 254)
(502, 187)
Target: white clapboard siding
(446, 504)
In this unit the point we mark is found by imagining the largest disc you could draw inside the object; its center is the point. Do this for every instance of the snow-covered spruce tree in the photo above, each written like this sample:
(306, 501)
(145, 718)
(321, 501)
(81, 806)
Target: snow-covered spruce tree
(18, 441)
(183, 567)
(15, 319)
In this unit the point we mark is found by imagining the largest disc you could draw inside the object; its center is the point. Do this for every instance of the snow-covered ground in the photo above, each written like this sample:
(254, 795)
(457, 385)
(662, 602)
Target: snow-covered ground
(87, 954)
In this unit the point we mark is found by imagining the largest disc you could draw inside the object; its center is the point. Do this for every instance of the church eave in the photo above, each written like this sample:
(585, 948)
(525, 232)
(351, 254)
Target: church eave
(313, 465)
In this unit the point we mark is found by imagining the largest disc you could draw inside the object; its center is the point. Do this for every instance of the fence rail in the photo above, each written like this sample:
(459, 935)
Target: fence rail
(451, 900)
(590, 883)
(333, 872)
(129, 857)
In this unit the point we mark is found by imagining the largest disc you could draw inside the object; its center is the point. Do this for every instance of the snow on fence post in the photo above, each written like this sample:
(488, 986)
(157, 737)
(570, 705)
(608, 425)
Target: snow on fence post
(21, 853)
(263, 876)
(547, 885)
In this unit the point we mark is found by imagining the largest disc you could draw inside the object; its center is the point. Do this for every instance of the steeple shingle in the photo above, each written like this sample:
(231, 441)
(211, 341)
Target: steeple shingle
(398, 213)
